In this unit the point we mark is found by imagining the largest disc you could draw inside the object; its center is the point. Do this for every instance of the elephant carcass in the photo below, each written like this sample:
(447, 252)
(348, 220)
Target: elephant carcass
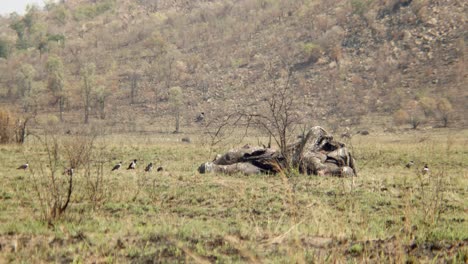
(316, 153)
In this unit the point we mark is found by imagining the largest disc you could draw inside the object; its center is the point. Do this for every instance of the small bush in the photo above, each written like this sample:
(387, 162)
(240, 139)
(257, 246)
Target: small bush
(356, 249)
(12, 129)
(93, 10)
(360, 7)
(312, 51)
(5, 49)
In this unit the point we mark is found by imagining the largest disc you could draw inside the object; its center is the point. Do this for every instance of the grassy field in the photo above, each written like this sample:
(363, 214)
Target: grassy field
(386, 214)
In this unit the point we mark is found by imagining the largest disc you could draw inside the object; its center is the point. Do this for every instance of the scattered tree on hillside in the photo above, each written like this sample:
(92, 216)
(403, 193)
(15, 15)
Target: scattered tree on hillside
(412, 113)
(25, 27)
(176, 101)
(56, 81)
(88, 76)
(429, 106)
(444, 111)
(101, 98)
(27, 89)
(24, 79)
(5, 49)
(134, 73)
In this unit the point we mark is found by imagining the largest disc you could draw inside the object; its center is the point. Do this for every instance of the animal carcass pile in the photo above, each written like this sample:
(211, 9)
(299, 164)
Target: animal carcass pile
(316, 153)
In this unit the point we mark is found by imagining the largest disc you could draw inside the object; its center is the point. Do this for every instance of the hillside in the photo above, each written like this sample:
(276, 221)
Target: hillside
(349, 61)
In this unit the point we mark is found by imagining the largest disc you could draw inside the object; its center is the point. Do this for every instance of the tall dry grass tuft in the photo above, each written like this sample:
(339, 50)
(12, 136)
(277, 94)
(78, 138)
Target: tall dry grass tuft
(94, 157)
(6, 126)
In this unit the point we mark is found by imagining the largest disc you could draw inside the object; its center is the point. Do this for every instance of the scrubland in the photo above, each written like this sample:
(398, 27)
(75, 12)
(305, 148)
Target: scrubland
(388, 213)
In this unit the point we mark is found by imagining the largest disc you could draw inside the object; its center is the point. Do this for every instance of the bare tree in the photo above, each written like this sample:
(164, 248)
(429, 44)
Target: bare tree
(281, 115)
(56, 81)
(88, 74)
(277, 112)
(176, 99)
(444, 111)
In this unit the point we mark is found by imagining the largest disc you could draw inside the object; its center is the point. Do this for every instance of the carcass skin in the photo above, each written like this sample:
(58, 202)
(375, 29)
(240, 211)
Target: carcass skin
(317, 153)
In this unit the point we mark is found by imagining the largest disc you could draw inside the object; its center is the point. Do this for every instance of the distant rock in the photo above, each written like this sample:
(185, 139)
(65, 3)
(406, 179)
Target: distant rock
(363, 132)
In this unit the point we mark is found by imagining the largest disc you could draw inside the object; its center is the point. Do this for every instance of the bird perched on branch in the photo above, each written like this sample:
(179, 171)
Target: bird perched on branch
(409, 165)
(149, 167)
(23, 167)
(116, 167)
(132, 165)
(425, 170)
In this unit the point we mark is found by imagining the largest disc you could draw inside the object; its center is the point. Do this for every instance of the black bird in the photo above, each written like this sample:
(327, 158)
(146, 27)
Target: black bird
(425, 170)
(132, 165)
(410, 164)
(200, 117)
(149, 167)
(159, 169)
(23, 167)
(116, 167)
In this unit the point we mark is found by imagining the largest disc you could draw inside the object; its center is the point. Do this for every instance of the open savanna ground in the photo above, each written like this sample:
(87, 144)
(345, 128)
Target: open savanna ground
(387, 214)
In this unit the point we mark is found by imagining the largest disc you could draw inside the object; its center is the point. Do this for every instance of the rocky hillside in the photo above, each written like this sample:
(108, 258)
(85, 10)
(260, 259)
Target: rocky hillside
(341, 61)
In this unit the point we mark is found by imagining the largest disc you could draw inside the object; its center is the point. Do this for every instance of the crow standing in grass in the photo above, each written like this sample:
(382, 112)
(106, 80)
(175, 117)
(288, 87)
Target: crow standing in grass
(410, 164)
(149, 167)
(425, 170)
(23, 167)
(132, 165)
(116, 167)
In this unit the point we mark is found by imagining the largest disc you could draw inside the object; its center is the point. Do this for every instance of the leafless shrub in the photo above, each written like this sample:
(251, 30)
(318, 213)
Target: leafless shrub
(276, 112)
(78, 149)
(97, 188)
(51, 188)
(86, 152)
(70, 165)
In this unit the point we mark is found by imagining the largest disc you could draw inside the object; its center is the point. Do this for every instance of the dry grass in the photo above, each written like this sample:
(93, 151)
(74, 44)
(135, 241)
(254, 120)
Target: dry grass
(387, 214)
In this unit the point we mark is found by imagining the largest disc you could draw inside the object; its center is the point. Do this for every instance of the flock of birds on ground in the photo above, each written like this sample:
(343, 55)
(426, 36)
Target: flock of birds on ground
(149, 167)
(131, 166)
(69, 171)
